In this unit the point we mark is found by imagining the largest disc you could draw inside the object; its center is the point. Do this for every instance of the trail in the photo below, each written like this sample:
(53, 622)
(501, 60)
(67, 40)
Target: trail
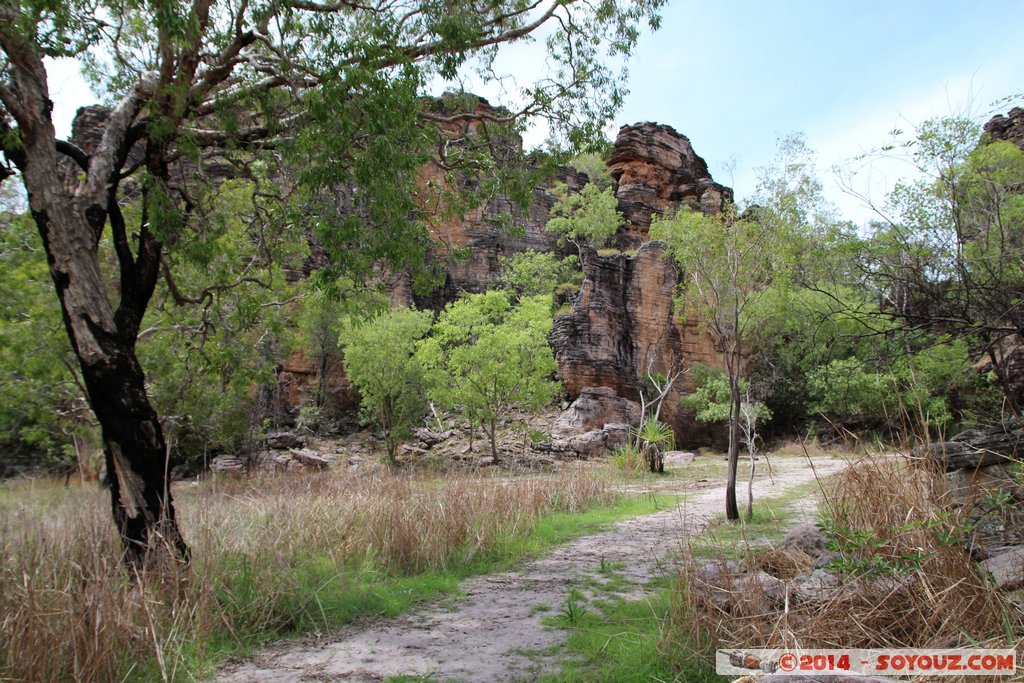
(489, 635)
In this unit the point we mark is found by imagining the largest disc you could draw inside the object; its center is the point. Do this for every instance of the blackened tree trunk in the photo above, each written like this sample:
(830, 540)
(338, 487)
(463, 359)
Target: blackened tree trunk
(104, 343)
(135, 454)
(72, 208)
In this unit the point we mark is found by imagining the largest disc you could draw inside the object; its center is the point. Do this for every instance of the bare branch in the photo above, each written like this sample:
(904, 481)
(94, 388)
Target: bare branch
(104, 166)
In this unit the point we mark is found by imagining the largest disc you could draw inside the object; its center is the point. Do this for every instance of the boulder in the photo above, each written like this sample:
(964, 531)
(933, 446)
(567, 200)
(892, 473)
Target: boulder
(429, 439)
(976, 448)
(818, 586)
(269, 461)
(616, 434)
(310, 459)
(589, 444)
(738, 592)
(807, 538)
(592, 410)
(679, 457)
(227, 463)
(1006, 568)
(284, 440)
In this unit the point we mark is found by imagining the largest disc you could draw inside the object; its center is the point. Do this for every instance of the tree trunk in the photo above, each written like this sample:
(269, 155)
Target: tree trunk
(732, 511)
(71, 211)
(750, 488)
(104, 344)
(494, 444)
(136, 457)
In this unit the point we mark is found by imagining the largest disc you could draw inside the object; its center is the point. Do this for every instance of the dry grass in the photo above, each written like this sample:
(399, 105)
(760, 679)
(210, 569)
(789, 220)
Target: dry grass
(908, 578)
(270, 556)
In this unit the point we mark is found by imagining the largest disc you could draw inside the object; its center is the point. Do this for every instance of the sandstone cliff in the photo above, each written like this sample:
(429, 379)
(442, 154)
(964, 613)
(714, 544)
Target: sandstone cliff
(1009, 128)
(622, 326)
(655, 169)
(621, 323)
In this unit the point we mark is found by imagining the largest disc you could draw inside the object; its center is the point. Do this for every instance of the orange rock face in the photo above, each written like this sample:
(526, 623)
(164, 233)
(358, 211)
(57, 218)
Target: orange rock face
(622, 323)
(622, 326)
(656, 170)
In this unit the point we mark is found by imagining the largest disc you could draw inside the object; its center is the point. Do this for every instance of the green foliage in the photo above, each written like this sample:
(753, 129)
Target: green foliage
(486, 356)
(596, 168)
(622, 641)
(947, 258)
(627, 457)
(41, 402)
(205, 348)
(380, 360)
(656, 433)
(913, 388)
(592, 216)
(710, 397)
(731, 262)
(653, 438)
(575, 608)
(532, 273)
(876, 553)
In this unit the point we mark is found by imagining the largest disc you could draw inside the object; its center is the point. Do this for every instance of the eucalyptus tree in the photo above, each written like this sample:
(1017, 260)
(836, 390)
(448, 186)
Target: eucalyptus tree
(487, 356)
(333, 88)
(948, 255)
(731, 264)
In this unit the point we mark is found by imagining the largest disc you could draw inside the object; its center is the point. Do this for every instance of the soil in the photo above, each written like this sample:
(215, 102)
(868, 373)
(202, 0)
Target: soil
(495, 633)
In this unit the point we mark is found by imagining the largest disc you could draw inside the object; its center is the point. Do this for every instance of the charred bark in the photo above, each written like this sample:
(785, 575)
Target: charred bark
(71, 209)
(104, 344)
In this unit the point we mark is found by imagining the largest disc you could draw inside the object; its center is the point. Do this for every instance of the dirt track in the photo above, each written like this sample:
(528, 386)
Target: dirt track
(488, 635)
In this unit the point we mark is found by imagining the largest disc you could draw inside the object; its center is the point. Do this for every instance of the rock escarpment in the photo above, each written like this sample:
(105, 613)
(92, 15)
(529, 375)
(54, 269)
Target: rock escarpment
(1009, 128)
(622, 326)
(621, 323)
(655, 169)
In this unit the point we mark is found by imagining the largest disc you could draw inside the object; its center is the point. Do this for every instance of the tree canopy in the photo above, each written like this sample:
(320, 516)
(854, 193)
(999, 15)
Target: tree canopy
(486, 357)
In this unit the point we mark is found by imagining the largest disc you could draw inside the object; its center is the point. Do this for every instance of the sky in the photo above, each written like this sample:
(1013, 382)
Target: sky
(736, 75)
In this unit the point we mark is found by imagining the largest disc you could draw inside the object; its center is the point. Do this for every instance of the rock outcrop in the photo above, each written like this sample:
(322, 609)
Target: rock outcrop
(1009, 128)
(594, 408)
(977, 448)
(656, 169)
(622, 325)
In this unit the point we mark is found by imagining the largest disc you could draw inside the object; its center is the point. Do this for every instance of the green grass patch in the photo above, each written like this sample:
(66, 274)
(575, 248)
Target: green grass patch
(263, 603)
(772, 518)
(561, 527)
(620, 641)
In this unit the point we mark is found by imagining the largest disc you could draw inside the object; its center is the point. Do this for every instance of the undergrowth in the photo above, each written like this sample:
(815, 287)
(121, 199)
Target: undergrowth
(616, 640)
(905, 577)
(272, 557)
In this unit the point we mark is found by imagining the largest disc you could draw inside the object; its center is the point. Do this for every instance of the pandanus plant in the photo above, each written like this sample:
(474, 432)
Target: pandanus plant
(653, 438)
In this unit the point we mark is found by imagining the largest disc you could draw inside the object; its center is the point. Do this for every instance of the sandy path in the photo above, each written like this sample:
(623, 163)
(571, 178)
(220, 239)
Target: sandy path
(487, 635)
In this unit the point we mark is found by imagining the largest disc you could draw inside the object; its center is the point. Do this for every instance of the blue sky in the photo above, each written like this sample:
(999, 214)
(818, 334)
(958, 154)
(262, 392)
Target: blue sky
(735, 75)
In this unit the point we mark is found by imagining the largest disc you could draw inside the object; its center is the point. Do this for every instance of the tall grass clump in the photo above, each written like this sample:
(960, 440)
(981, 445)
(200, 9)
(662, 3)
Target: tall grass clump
(271, 556)
(903, 568)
